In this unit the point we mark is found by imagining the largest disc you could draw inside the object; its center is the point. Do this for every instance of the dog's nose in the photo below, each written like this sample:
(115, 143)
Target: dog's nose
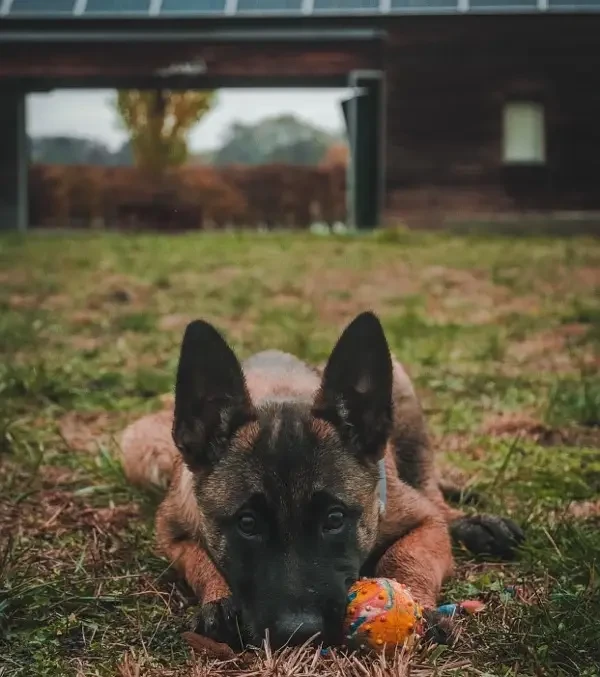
(297, 628)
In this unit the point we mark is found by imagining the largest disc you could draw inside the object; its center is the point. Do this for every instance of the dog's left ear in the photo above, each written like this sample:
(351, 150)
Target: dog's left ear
(356, 389)
(211, 399)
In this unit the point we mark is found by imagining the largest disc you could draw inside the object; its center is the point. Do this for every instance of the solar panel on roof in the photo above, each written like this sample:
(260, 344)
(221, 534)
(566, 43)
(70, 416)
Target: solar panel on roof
(269, 5)
(345, 5)
(422, 5)
(572, 4)
(503, 4)
(192, 6)
(42, 7)
(117, 7)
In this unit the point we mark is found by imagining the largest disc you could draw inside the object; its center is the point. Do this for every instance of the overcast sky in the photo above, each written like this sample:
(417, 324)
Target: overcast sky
(90, 114)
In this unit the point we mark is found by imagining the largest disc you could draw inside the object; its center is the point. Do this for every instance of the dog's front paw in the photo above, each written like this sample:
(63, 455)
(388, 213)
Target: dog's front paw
(439, 629)
(487, 535)
(218, 621)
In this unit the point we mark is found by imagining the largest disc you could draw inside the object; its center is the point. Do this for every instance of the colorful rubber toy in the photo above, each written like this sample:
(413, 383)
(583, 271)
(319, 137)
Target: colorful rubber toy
(469, 606)
(381, 615)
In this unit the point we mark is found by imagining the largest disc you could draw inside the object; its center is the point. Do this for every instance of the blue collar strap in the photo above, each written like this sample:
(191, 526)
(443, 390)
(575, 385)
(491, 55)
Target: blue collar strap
(382, 486)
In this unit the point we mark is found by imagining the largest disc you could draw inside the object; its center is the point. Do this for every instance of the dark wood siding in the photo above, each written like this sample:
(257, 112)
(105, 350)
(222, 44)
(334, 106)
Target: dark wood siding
(447, 81)
(119, 61)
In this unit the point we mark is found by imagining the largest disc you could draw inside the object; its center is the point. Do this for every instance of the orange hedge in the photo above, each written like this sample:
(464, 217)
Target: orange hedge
(186, 198)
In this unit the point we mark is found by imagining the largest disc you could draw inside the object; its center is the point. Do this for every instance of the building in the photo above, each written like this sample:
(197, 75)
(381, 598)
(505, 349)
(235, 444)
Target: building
(461, 107)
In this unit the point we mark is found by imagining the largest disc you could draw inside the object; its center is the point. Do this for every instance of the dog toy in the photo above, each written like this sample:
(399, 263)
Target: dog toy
(381, 614)
(469, 606)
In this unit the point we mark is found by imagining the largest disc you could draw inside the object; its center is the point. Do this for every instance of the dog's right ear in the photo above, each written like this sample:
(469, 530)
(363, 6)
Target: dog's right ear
(211, 398)
(356, 388)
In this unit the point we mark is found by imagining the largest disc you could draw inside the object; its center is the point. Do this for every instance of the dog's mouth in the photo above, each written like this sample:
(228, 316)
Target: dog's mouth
(321, 631)
(317, 640)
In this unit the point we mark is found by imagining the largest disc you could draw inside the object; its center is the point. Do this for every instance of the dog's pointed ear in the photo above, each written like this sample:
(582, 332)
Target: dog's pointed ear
(356, 389)
(211, 398)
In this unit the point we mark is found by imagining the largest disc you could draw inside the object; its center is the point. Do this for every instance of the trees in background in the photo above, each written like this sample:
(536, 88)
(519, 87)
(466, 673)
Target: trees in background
(282, 139)
(158, 143)
(158, 123)
(71, 150)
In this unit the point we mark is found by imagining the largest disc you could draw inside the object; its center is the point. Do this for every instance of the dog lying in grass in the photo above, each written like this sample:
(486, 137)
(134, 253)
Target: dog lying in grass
(285, 486)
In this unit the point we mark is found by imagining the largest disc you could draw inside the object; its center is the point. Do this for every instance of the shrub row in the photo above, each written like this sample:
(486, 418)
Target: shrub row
(186, 198)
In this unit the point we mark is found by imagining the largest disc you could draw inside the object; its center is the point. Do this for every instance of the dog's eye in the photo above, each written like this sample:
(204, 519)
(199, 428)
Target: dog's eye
(334, 521)
(247, 524)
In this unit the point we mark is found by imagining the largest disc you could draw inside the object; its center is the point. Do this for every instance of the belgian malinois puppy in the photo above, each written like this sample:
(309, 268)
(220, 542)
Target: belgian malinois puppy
(286, 485)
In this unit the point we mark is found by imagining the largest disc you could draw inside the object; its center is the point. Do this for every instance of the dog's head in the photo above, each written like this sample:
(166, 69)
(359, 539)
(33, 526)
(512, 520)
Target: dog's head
(286, 494)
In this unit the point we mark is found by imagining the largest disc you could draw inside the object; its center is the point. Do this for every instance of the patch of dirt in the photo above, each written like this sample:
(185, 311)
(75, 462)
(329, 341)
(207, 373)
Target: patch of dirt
(543, 345)
(512, 424)
(15, 277)
(509, 304)
(586, 510)
(22, 301)
(118, 289)
(221, 275)
(580, 437)
(370, 289)
(174, 321)
(547, 351)
(57, 302)
(56, 512)
(56, 535)
(84, 343)
(448, 291)
(451, 290)
(587, 277)
(47, 524)
(454, 278)
(469, 296)
(572, 329)
(462, 443)
(86, 317)
(281, 299)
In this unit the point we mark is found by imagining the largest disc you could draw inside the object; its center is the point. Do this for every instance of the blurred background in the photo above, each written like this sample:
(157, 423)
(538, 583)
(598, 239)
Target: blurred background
(240, 159)
(211, 114)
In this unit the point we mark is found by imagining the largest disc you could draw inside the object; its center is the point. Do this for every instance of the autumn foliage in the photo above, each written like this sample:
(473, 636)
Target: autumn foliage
(185, 198)
(158, 123)
(338, 155)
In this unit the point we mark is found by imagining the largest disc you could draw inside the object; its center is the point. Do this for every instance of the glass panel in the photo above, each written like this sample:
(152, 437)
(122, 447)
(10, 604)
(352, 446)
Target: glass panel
(269, 5)
(505, 5)
(42, 7)
(573, 4)
(329, 5)
(117, 7)
(425, 5)
(192, 6)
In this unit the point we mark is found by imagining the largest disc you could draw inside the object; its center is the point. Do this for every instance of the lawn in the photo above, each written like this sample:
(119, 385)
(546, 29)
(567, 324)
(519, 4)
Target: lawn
(501, 336)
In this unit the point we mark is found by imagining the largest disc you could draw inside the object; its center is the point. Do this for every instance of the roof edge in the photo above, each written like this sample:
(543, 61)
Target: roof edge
(158, 35)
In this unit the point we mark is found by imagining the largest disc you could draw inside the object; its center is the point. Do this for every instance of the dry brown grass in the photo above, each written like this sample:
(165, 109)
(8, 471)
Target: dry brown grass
(301, 661)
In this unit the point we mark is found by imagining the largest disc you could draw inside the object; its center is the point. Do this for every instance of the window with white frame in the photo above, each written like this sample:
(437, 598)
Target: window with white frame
(524, 133)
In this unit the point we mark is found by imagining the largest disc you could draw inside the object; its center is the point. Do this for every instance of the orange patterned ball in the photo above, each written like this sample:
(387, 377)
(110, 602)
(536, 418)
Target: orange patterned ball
(381, 614)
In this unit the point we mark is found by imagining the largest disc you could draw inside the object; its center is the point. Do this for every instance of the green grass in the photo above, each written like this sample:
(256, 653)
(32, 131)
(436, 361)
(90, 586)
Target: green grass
(492, 329)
